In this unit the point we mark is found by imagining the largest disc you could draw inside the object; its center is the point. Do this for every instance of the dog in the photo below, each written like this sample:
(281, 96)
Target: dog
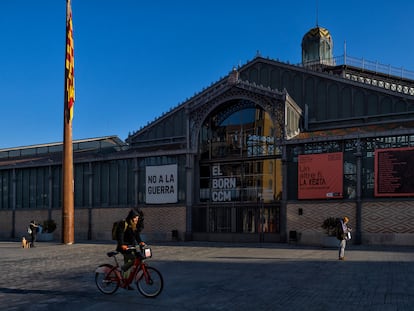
(25, 243)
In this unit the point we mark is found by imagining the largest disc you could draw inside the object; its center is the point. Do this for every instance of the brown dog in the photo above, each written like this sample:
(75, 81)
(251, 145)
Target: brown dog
(25, 243)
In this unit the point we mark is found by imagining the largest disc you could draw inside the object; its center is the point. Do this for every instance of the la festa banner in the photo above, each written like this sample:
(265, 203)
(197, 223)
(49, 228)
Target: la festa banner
(320, 176)
(161, 184)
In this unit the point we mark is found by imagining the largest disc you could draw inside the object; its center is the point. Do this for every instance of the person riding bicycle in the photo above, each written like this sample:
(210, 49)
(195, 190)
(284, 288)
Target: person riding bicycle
(128, 234)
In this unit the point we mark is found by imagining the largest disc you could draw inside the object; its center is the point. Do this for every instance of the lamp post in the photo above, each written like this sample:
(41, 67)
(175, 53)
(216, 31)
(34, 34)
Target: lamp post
(261, 216)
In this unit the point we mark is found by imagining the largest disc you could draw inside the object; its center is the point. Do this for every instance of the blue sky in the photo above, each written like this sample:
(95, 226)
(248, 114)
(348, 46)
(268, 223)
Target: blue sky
(134, 59)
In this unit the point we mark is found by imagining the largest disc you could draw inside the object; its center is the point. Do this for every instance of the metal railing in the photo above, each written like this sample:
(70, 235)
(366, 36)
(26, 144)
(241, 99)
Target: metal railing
(364, 64)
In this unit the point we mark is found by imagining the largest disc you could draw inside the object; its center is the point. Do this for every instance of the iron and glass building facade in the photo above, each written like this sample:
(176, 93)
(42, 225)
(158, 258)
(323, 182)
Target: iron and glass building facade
(270, 149)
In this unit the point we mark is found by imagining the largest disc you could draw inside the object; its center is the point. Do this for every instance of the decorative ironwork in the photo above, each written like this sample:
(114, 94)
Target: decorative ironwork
(272, 101)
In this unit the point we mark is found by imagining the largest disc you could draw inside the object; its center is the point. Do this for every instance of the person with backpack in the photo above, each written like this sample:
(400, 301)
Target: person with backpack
(343, 234)
(128, 234)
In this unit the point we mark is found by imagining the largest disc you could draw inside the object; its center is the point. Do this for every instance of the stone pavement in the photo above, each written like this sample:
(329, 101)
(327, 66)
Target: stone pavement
(212, 276)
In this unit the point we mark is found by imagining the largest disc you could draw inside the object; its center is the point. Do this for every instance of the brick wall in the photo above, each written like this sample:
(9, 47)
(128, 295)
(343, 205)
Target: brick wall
(159, 222)
(388, 223)
(383, 223)
(313, 214)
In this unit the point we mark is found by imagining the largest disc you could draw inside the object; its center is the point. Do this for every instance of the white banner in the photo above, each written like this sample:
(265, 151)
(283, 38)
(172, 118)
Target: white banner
(161, 184)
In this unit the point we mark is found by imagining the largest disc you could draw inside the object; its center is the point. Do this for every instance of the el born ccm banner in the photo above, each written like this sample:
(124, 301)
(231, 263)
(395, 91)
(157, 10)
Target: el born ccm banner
(161, 184)
(320, 176)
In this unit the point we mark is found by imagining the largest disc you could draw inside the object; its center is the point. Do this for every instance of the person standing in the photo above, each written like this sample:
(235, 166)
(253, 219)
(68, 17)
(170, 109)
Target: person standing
(34, 228)
(344, 234)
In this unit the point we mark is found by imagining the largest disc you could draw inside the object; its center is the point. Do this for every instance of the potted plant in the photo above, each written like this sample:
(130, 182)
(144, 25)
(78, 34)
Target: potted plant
(330, 227)
(48, 227)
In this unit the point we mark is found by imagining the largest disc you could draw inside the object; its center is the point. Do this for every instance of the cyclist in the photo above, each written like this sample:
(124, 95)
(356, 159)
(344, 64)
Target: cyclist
(128, 234)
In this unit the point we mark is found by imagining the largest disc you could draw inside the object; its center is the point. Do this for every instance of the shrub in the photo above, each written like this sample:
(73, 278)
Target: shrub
(49, 226)
(330, 226)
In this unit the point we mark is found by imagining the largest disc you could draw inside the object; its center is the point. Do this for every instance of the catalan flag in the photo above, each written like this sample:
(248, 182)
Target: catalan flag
(69, 64)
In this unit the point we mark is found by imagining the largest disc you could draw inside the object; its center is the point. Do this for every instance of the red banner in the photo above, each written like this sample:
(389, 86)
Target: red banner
(320, 176)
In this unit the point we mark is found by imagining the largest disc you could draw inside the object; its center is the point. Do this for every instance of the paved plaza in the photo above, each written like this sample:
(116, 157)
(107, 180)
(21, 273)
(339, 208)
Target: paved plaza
(212, 276)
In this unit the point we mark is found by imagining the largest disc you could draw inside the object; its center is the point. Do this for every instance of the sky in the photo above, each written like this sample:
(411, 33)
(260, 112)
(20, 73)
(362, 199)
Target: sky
(135, 59)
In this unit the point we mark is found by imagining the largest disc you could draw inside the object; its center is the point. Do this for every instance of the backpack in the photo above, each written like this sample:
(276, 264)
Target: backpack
(140, 224)
(117, 225)
(339, 230)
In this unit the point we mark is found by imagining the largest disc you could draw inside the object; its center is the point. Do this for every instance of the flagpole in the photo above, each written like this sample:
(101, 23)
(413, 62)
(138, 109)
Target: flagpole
(68, 224)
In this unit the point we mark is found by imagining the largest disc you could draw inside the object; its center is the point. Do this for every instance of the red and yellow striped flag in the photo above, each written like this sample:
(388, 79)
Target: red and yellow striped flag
(70, 63)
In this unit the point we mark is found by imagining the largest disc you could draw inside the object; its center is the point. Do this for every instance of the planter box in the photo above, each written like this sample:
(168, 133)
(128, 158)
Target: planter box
(330, 242)
(45, 236)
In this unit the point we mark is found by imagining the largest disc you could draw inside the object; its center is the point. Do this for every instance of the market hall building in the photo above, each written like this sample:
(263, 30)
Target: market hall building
(266, 153)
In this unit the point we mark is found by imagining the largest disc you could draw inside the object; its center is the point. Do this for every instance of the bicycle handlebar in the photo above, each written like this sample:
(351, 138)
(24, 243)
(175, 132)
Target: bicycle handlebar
(136, 247)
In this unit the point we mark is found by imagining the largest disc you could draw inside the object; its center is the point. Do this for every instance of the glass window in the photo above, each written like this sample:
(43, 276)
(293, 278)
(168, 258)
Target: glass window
(349, 176)
(96, 176)
(104, 183)
(57, 186)
(82, 175)
(247, 181)
(237, 132)
(5, 189)
(241, 219)
(42, 187)
(242, 133)
(113, 180)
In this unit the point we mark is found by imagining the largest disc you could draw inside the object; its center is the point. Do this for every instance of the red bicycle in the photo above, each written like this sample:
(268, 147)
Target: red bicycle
(149, 281)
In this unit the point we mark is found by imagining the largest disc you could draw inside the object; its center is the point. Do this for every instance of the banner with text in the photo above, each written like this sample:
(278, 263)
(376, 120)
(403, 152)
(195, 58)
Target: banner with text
(394, 172)
(320, 176)
(161, 184)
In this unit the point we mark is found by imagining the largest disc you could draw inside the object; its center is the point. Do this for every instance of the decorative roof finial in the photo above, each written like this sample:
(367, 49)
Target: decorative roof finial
(233, 76)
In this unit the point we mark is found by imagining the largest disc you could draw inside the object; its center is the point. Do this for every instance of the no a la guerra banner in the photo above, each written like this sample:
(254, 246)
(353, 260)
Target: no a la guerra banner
(161, 184)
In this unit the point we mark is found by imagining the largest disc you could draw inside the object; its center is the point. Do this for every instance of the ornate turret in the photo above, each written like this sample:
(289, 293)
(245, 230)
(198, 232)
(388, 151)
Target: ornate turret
(317, 47)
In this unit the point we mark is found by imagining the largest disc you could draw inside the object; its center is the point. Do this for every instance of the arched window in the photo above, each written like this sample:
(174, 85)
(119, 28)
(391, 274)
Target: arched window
(239, 155)
(241, 129)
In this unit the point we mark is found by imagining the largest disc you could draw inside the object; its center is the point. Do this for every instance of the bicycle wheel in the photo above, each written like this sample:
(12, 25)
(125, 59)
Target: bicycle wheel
(150, 282)
(106, 279)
